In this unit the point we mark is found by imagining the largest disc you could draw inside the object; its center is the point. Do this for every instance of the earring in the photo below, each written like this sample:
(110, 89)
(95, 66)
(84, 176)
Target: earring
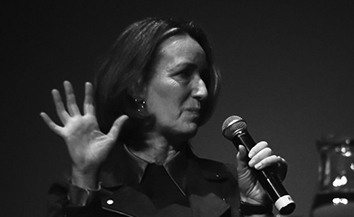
(140, 105)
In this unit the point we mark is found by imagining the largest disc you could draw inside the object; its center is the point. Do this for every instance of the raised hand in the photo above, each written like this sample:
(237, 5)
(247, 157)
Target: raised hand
(259, 157)
(87, 145)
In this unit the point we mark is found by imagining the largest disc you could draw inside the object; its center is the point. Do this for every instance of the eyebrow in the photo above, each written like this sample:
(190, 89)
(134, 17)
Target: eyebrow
(181, 66)
(190, 64)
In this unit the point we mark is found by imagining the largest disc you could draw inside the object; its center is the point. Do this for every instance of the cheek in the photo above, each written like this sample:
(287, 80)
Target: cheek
(165, 96)
(161, 89)
(166, 88)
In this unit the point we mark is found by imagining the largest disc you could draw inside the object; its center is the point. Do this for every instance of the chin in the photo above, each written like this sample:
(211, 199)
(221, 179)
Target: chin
(191, 130)
(183, 131)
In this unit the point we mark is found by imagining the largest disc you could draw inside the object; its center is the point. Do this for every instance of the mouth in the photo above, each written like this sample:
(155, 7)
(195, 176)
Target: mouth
(193, 109)
(195, 112)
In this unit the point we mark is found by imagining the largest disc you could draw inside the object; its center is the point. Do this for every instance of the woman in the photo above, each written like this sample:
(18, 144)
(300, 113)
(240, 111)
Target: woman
(130, 149)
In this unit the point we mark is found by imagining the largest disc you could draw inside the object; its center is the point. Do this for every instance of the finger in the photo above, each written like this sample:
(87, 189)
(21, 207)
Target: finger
(50, 123)
(276, 164)
(258, 147)
(268, 161)
(88, 102)
(262, 154)
(70, 99)
(117, 125)
(62, 114)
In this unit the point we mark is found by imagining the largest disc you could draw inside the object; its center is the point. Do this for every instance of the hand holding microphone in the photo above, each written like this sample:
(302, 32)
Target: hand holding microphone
(235, 129)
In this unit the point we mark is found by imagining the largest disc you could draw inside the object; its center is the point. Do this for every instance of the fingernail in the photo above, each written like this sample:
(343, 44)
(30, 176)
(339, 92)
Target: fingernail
(251, 162)
(258, 166)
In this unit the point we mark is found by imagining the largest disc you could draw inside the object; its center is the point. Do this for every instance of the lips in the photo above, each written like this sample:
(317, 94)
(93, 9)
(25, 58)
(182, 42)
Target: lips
(195, 112)
(194, 109)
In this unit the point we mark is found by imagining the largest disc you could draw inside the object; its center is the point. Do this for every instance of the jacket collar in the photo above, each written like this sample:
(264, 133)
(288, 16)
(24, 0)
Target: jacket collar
(129, 169)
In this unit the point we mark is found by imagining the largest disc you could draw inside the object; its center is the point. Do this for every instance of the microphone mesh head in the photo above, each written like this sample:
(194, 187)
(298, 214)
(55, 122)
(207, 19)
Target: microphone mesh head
(232, 125)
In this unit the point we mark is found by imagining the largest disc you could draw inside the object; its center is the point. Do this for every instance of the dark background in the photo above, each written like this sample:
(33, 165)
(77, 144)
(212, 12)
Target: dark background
(287, 70)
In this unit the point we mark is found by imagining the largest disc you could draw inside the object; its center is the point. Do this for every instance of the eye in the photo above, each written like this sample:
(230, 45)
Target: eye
(184, 74)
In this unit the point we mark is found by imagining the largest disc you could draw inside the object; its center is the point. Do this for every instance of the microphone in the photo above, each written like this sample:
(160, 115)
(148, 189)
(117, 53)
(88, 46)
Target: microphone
(234, 129)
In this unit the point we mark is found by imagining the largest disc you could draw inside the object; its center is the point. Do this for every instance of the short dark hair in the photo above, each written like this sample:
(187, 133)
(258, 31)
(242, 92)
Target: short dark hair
(128, 63)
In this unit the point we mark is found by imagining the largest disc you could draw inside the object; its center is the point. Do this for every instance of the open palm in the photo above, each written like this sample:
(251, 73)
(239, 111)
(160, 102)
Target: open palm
(88, 146)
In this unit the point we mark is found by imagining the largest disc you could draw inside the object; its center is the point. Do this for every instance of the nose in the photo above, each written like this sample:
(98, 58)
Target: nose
(200, 90)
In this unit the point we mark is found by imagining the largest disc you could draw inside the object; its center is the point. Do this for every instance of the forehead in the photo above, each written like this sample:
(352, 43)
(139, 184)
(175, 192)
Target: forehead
(181, 45)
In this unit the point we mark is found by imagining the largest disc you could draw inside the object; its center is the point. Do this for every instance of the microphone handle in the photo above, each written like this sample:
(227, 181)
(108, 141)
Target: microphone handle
(269, 181)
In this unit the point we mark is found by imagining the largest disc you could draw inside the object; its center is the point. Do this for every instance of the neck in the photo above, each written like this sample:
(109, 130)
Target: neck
(155, 149)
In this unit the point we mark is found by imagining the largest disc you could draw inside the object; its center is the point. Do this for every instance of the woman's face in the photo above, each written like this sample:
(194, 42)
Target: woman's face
(176, 90)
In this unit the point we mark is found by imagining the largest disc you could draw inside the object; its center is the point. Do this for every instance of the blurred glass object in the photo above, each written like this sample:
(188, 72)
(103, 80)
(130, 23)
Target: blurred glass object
(335, 188)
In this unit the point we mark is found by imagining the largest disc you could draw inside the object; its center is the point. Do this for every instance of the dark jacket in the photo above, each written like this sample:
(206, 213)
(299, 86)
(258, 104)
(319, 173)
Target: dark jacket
(211, 190)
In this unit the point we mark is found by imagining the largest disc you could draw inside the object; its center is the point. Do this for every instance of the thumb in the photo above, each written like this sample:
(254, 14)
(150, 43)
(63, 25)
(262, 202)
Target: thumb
(117, 125)
(242, 157)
